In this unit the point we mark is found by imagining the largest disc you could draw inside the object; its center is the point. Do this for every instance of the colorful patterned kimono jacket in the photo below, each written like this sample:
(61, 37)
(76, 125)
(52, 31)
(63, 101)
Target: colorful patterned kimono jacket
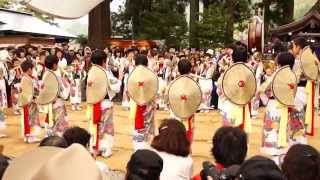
(101, 119)
(56, 119)
(14, 81)
(30, 117)
(283, 125)
(144, 127)
(3, 94)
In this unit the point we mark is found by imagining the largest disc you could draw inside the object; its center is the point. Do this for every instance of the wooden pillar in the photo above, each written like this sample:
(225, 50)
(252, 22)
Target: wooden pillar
(100, 25)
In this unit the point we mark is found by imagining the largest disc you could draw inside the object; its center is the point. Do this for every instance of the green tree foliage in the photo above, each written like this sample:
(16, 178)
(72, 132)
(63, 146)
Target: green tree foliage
(277, 12)
(82, 40)
(212, 27)
(5, 4)
(161, 19)
(220, 19)
(121, 24)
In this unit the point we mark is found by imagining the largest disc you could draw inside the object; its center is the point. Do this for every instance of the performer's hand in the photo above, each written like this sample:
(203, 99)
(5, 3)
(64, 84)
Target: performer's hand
(90, 83)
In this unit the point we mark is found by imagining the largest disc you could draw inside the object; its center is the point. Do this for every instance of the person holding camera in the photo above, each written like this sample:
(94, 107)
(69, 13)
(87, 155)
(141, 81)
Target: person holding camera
(229, 150)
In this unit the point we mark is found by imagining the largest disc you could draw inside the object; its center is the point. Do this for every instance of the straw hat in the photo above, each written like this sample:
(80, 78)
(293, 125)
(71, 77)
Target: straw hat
(142, 85)
(26, 94)
(284, 86)
(309, 64)
(53, 163)
(239, 84)
(50, 90)
(100, 83)
(184, 96)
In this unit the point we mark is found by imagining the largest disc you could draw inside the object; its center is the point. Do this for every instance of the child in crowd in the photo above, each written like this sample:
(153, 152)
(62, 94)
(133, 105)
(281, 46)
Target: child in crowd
(30, 118)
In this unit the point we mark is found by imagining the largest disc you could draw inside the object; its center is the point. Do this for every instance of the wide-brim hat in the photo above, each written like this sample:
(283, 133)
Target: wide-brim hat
(309, 63)
(50, 90)
(97, 91)
(143, 85)
(284, 86)
(184, 96)
(26, 95)
(53, 163)
(239, 84)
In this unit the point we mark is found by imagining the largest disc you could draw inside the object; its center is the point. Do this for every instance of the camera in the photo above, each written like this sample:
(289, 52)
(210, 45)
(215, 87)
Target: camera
(210, 170)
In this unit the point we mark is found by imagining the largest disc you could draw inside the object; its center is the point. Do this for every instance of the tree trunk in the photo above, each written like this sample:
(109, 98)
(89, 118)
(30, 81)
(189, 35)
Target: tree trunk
(194, 19)
(231, 6)
(267, 12)
(288, 9)
(100, 25)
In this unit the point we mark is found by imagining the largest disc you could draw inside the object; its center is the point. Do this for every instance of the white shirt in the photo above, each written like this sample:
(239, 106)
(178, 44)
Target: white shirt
(175, 167)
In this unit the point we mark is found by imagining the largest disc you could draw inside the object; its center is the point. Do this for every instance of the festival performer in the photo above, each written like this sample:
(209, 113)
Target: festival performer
(127, 65)
(56, 121)
(281, 126)
(29, 88)
(3, 92)
(15, 75)
(102, 86)
(142, 88)
(187, 93)
(76, 75)
(307, 72)
(237, 85)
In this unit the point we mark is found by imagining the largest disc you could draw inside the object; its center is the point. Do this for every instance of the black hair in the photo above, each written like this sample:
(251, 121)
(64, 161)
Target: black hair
(184, 66)
(144, 165)
(50, 61)
(300, 41)
(55, 141)
(302, 162)
(141, 60)
(229, 146)
(98, 57)
(130, 50)
(285, 59)
(259, 168)
(240, 54)
(77, 135)
(26, 65)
